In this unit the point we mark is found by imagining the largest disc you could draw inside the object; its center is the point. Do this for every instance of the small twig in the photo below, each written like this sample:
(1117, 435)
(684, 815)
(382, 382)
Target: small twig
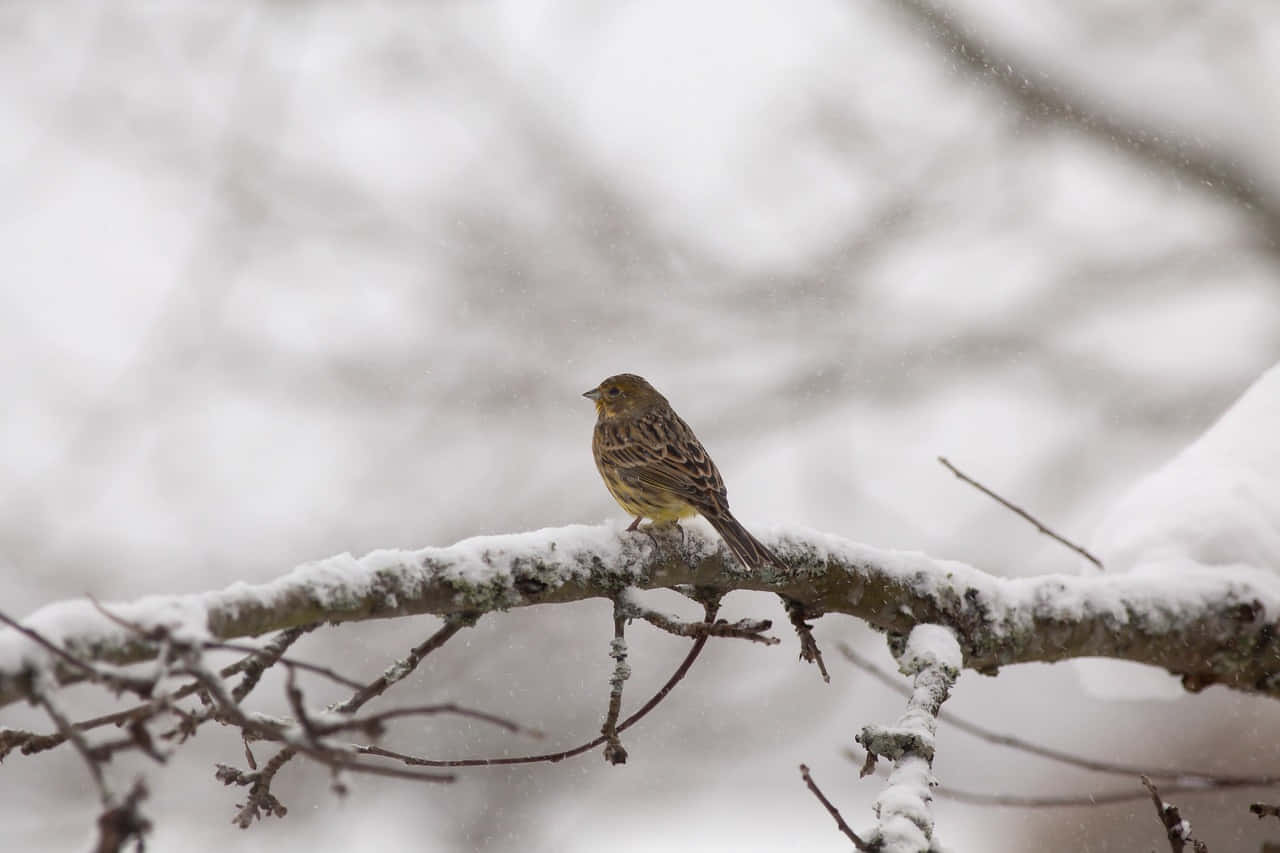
(81, 744)
(37, 743)
(402, 668)
(121, 824)
(1179, 831)
(340, 759)
(1020, 511)
(261, 800)
(743, 629)
(293, 693)
(711, 606)
(1094, 800)
(809, 651)
(260, 660)
(1190, 779)
(832, 810)
(1263, 809)
(374, 721)
(1111, 798)
(614, 751)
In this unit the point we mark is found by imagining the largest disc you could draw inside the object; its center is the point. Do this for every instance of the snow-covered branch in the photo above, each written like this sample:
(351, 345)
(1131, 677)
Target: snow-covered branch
(1210, 625)
(905, 819)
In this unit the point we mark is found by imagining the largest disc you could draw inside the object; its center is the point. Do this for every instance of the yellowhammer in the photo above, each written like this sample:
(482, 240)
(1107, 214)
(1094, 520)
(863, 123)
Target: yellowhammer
(655, 467)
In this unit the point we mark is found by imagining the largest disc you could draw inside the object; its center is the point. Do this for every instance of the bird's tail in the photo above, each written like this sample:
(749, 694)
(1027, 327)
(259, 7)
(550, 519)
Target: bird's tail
(747, 548)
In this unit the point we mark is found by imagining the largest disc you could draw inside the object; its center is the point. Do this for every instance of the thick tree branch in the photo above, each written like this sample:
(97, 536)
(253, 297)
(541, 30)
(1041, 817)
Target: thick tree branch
(1214, 625)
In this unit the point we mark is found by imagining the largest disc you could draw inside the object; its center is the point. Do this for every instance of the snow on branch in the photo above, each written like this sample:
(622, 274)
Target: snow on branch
(905, 821)
(1211, 625)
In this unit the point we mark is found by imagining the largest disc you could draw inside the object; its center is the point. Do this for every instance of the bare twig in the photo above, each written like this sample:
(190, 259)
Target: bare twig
(809, 651)
(261, 800)
(1020, 511)
(743, 629)
(1190, 779)
(1091, 800)
(710, 605)
(402, 668)
(373, 722)
(832, 810)
(338, 759)
(118, 825)
(1109, 798)
(78, 740)
(32, 743)
(1264, 809)
(1178, 830)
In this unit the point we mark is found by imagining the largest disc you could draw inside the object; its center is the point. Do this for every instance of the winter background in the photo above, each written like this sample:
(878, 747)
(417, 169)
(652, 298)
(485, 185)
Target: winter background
(284, 280)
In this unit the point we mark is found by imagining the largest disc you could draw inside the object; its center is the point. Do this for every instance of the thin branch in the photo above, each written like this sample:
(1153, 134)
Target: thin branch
(614, 751)
(119, 825)
(1091, 800)
(711, 607)
(1022, 512)
(832, 810)
(809, 651)
(78, 740)
(1178, 830)
(402, 668)
(33, 743)
(1109, 798)
(262, 800)
(374, 721)
(743, 629)
(1191, 779)
(338, 760)
(1263, 810)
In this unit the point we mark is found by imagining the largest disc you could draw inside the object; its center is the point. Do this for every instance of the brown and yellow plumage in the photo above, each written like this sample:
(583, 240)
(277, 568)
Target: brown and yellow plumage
(655, 467)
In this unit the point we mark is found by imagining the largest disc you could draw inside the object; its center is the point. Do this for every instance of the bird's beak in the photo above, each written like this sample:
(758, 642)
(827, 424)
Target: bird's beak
(593, 394)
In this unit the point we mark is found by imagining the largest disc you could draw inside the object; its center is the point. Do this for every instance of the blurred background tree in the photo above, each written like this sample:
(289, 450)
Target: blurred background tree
(292, 278)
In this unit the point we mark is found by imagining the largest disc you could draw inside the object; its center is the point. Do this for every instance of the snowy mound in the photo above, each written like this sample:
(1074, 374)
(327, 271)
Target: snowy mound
(1215, 505)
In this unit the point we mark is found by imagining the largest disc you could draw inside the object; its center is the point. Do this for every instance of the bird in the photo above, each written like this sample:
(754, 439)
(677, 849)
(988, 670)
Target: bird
(656, 468)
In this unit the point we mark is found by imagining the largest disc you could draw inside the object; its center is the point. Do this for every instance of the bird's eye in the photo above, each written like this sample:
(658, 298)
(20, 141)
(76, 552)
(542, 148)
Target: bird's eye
(614, 391)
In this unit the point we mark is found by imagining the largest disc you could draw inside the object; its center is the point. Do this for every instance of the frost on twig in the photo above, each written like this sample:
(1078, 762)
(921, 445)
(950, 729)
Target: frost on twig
(905, 821)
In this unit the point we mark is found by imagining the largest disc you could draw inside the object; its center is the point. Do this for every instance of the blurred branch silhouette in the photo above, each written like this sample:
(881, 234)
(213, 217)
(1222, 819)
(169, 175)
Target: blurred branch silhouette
(1211, 171)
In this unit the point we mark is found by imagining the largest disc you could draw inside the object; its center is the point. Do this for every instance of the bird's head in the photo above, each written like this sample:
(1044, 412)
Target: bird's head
(623, 395)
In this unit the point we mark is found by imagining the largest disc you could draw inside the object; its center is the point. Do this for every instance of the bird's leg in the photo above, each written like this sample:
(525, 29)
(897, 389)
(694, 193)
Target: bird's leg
(635, 524)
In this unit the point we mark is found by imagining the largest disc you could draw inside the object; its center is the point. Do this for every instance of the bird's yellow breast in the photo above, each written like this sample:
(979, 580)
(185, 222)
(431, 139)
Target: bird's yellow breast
(655, 504)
